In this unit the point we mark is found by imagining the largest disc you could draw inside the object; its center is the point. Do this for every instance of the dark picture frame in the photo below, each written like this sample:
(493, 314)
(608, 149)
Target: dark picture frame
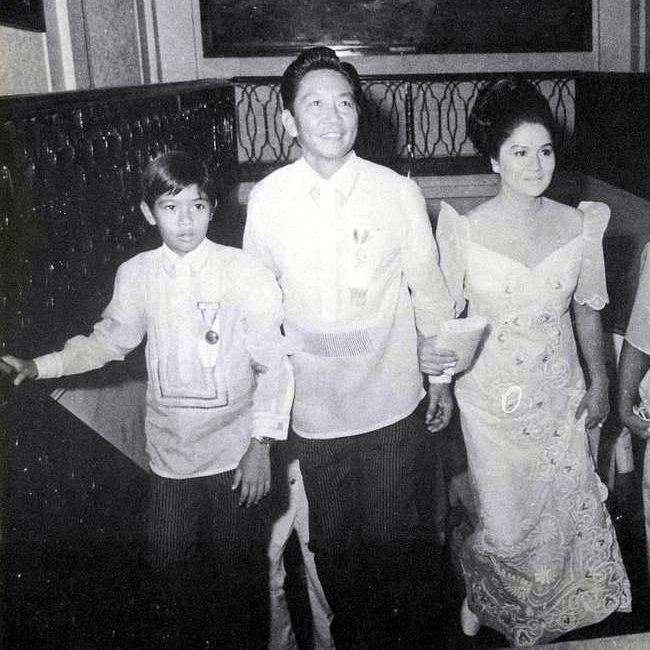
(23, 14)
(242, 28)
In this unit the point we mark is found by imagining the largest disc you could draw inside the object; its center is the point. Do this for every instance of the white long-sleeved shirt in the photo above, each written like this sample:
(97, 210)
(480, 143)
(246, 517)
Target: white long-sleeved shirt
(358, 267)
(204, 401)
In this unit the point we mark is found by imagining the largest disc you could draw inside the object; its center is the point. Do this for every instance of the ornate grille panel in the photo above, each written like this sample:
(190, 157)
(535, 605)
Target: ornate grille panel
(414, 122)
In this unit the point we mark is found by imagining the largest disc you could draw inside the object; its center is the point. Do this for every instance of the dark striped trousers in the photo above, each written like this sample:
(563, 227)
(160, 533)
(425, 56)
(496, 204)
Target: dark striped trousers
(362, 526)
(208, 555)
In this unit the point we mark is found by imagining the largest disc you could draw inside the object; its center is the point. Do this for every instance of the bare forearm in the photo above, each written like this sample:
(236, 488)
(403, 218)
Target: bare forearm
(633, 365)
(589, 330)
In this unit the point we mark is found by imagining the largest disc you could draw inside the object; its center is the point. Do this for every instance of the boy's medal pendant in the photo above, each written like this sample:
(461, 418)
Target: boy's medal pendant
(209, 314)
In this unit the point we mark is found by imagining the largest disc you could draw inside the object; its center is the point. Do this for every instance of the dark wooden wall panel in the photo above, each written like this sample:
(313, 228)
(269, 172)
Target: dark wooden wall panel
(70, 167)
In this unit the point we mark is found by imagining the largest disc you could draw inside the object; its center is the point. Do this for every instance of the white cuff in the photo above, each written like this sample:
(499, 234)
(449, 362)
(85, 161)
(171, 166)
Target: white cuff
(269, 425)
(444, 378)
(49, 366)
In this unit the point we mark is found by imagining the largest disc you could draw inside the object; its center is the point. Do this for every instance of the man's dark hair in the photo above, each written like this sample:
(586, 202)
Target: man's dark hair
(172, 172)
(316, 58)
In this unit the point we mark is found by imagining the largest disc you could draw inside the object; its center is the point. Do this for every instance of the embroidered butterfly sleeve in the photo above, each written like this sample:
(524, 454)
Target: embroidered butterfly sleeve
(452, 235)
(592, 288)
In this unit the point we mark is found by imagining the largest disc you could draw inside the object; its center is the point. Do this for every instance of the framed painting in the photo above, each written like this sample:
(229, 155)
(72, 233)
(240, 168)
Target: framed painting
(23, 14)
(241, 28)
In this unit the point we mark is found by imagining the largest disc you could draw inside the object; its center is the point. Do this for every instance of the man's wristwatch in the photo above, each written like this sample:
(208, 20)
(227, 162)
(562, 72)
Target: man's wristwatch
(264, 440)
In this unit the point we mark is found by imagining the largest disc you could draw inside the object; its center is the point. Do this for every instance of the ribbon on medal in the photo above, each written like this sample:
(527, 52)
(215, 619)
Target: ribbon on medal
(209, 346)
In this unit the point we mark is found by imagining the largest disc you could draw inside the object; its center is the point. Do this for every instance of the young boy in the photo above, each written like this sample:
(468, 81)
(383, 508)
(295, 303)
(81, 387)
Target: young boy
(351, 245)
(219, 390)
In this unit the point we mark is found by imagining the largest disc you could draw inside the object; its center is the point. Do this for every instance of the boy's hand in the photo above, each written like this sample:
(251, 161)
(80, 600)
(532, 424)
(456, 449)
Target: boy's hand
(441, 406)
(253, 474)
(24, 368)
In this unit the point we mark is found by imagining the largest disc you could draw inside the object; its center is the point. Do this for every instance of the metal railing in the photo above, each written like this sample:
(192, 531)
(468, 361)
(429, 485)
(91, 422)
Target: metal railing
(412, 123)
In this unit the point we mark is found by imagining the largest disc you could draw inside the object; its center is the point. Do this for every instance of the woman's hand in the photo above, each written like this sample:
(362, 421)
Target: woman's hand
(589, 329)
(595, 403)
(434, 361)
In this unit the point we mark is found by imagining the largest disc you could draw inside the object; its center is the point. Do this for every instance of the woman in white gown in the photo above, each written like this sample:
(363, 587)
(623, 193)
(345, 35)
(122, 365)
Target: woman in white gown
(543, 559)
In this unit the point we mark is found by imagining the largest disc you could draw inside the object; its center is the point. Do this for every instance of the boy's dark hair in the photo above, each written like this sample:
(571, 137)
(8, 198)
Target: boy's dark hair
(172, 172)
(503, 105)
(316, 58)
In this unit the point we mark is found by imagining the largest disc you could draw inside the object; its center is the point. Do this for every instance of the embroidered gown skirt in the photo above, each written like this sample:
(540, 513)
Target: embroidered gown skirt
(543, 558)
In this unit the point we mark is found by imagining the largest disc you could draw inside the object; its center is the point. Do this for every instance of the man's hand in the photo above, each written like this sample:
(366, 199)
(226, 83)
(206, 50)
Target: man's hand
(635, 424)
(441, 406)
(253, 474)
(24, 368)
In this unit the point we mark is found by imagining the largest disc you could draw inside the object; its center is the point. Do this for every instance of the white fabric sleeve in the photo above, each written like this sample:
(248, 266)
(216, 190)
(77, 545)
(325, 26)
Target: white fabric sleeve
(638, 327)
(49, 365)
(592, 286)
(429, 296)
(255, 236)
(268, 349)
(121, 329)
(452, 234)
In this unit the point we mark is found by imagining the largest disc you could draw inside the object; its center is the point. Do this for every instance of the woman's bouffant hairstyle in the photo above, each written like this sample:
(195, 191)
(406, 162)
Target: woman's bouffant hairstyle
(172, 172)
(501, 106)
(315, 58)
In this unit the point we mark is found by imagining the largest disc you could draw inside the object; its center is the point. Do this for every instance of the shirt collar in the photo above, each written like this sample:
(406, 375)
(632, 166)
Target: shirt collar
(194, 259)
(343, 179)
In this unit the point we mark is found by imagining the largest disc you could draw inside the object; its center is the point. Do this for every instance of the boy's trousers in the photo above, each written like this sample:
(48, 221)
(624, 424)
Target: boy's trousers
(210, 564)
